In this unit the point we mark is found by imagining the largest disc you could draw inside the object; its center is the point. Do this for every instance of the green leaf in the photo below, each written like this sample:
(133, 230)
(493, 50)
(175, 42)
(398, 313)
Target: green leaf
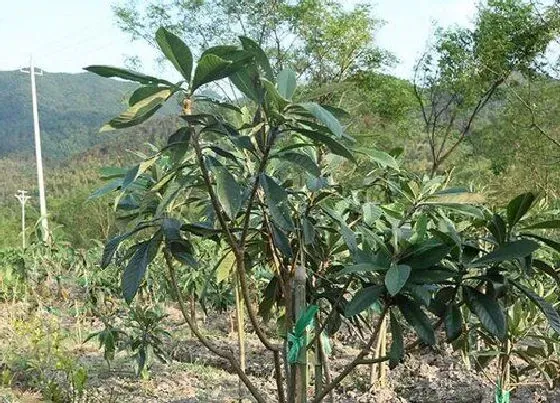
(517, 208)
(455, 197)
(325, 117)
(144, 92)
(308, 231)
(334, 146)
(546, 308)
(305, 319)
(432, 275)
(140, 111)
(396, 351)
(426, 254)
(247, 80)
(105, 189)
(260, 56)
(497, 228)
(137, 265)
(508, 251)
(110, 248)
(176, 52)
(552, 224)
(303, 161)
(212, 67)
(363, 299)
(359, 268)
(547, 269)
(488, 311)
(549, 242)
(171, 228)
(396, 278)
(277, 202)
(115, 72)
(286, 82)
(349, 237)
(371, 213)
(228, 191)
(225, 266)
(418, 319)
(183, 251)
(381, 158)
(274, 101)
(453, 321)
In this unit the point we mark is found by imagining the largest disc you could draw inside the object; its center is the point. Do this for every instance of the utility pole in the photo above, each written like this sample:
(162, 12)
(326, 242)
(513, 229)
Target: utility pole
(38, 155)
(22, 197)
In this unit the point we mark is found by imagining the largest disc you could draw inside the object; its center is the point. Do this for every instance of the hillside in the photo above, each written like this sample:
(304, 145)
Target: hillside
(72, 107)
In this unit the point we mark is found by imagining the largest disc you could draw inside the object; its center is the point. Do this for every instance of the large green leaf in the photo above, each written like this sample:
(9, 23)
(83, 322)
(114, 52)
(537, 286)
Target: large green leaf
(106, 188)
(547, 309)
(260, 56)
(144, 92)
(551, 224)
(140, 111)
(418, 319)
(229, 193)
(371, 212)
(303, 161)
(136, 268)
(363, 299)
(396, 351)
(517, 208)
(110, 248)
(488, 311)
(175, 51)
(274, 101)
(334, 146)
(453, 321)
(547, 269)
(433, 275)
(396, 278)
(325, 117)
(426, 254)
(379, 157)
(286, 82)
(247, 80)
(277, 202)
(498, 228)
(508, 251)
(115, 72)
(210, 68)
(549, 242)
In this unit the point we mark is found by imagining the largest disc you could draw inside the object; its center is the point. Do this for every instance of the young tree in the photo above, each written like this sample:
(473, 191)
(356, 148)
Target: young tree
(260, 180)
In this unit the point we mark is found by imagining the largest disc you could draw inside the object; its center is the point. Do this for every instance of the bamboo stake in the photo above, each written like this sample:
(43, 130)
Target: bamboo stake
(300, 385)
(240, 314)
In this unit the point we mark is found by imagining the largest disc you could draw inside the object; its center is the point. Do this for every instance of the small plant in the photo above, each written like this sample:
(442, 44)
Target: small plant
(146, 340)
(109, 339)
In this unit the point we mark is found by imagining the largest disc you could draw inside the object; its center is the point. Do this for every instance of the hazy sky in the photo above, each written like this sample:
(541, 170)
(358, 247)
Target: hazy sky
(67, 35)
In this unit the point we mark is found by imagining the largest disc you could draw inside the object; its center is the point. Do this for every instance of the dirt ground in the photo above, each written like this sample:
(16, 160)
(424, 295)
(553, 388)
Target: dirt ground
(193, 375)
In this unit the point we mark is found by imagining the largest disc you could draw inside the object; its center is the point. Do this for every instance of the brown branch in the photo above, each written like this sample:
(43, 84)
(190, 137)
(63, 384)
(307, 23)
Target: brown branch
(480, 105)
(355, 362)
(211, 347)
(238, 249)
(213, 198)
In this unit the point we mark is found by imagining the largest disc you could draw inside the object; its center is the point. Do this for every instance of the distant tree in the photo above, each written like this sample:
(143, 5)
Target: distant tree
(465, 69)
(320, 39)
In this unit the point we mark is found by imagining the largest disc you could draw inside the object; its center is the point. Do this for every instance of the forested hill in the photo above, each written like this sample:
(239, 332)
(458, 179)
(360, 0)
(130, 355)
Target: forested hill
(72, 107)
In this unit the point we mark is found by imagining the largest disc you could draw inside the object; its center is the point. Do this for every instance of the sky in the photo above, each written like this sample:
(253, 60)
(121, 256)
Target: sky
(67, 35)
